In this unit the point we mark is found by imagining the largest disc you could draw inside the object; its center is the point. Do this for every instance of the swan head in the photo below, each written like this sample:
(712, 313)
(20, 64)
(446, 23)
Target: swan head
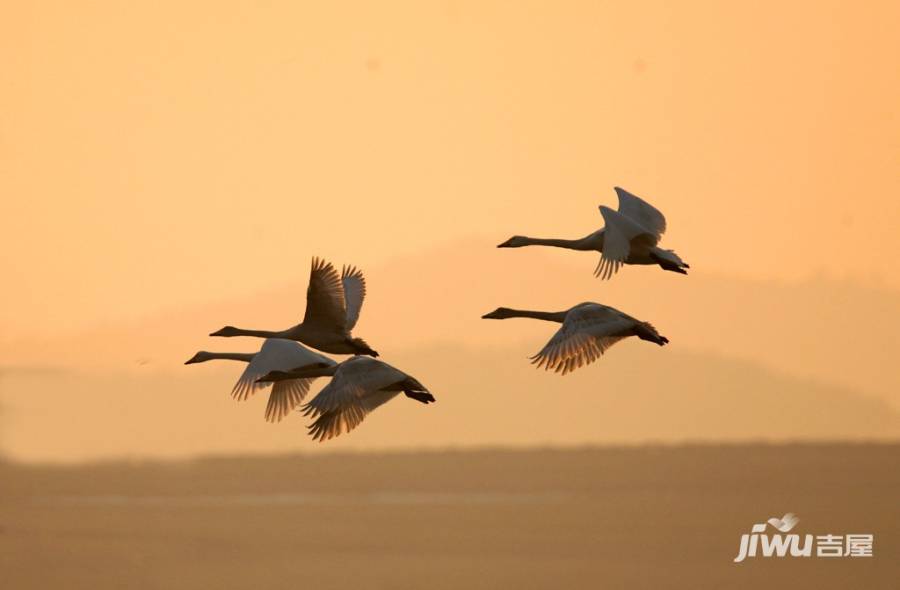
(200, 357)
(513, 242)
(227, 331)
(501, 313)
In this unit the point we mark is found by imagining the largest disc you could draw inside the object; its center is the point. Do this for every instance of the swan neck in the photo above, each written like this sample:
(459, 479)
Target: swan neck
(203, 356)
(580, 244)
(233, 356)
(549, 316)
(261, 333)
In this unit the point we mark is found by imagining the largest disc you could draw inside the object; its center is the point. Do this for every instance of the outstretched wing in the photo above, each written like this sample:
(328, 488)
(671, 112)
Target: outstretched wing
(618, 235)
(348, 417)
(286, 395)
(325, 305)
(585, 335)
(355, 378)
(357, 388)
(642, 212)
(277, 354)
(606, 268)
(354, 285)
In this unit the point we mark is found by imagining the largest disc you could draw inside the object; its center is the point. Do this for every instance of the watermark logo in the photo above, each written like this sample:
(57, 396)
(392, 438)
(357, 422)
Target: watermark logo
(759, 544)
(785, 523)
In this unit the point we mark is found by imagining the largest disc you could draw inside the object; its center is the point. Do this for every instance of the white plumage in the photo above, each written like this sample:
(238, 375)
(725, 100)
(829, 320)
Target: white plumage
(358, 386)
(587, 331)
(275, 355)
(354, 285)
(642, 212)
(630, 235)
(333, 305)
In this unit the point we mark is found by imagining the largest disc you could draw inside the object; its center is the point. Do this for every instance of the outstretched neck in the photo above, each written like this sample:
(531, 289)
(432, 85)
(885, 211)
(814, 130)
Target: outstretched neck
(230, 331)
(549, 316)
(232, 356)
(203, 356)
(585, 243)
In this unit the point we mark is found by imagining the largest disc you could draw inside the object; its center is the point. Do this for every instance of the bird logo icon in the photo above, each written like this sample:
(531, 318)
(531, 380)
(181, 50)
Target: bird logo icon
(785, 523)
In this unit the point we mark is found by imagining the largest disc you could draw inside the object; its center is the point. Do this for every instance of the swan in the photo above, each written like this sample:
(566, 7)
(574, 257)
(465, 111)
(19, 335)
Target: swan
(333, 303)
(358, 385)
(629, 236)
(276, 354)
(588, 329)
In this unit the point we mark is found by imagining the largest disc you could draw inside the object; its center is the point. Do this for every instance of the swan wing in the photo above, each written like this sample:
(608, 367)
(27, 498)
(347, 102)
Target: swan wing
(586, 333)
(347, 417)
(354, 285)
(641, 211)
(358, 387)
(355, 378)
(286, 395)
(619, 233)
(325, 306)
(278, 354)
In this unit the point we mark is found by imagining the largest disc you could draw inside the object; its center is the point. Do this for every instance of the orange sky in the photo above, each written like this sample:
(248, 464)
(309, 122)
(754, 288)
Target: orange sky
(168, 167)
(156, 155)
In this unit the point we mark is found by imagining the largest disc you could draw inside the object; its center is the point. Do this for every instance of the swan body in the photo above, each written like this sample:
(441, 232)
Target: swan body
(588, 330)
(333, 304)
(275, 355)
(630, 236)
(358, 386)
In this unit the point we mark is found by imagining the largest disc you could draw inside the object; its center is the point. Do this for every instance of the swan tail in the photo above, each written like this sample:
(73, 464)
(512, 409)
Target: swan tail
(422, 396)
(360, 347)
(669, 260)
(415, 390)
(646, 331)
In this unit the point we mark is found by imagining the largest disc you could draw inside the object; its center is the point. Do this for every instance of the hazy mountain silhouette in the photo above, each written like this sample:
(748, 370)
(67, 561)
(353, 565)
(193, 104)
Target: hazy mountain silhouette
(638, 393)
(827, 331)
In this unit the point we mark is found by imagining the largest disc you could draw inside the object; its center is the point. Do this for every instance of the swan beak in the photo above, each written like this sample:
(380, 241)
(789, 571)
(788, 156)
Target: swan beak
(192, 360)
(227, 331)
(494, 315)
(506, 244)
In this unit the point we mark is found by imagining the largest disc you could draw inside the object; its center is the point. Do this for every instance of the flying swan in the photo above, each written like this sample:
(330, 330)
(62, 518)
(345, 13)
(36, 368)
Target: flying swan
(333, 303)
(275, 355)
(358, 386)
(588, 329)
(630, 236)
